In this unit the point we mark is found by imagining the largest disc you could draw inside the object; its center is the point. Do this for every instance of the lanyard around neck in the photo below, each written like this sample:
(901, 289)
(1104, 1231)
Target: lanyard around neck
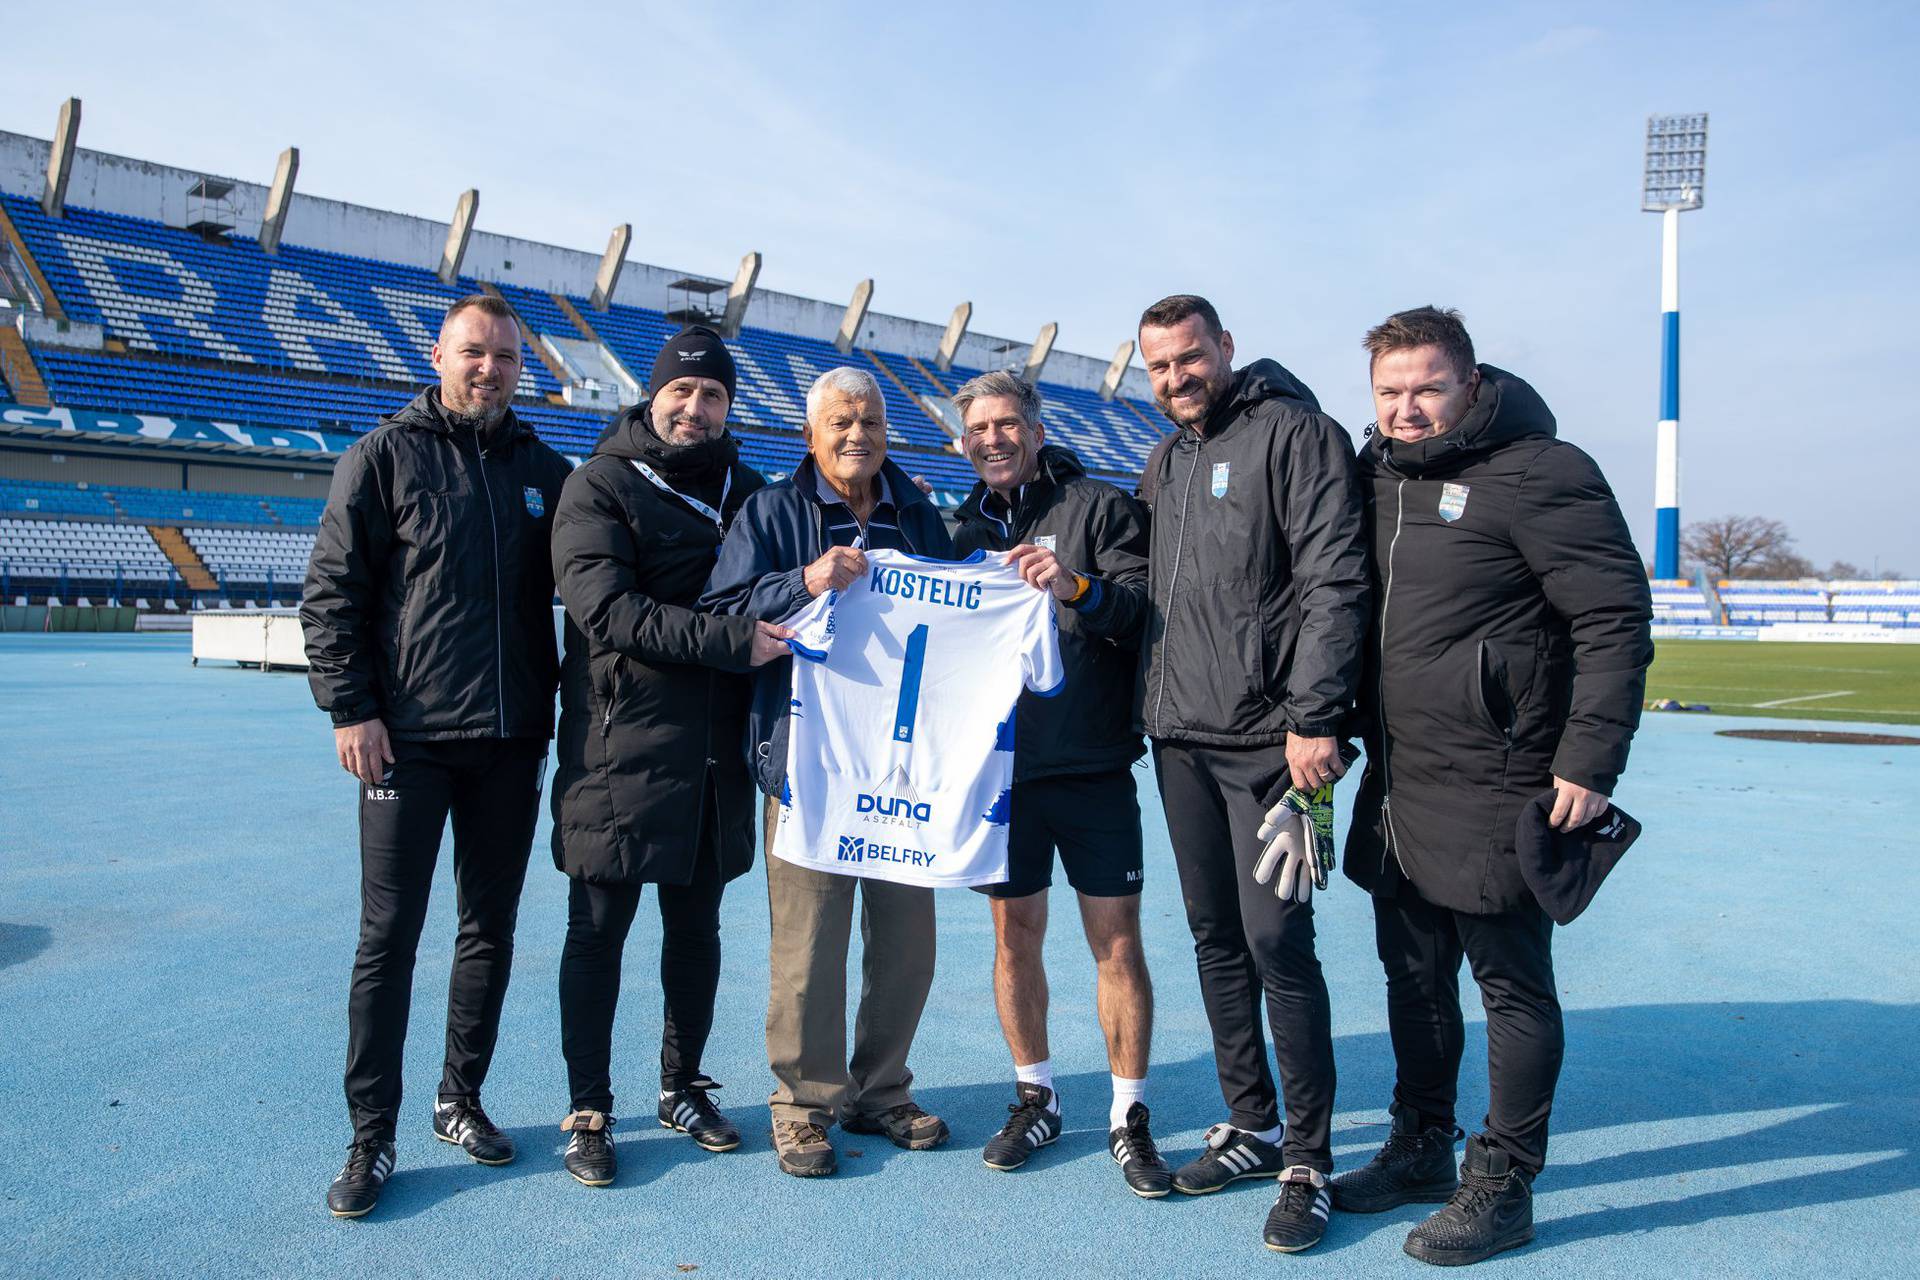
(726, 487)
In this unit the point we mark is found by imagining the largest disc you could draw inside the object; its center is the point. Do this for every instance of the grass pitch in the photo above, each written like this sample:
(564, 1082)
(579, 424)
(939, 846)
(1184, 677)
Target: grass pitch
(1856, 683)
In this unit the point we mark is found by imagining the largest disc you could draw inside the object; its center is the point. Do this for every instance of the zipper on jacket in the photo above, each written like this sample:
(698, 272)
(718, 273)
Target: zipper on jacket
(499, 655)
(1173, 585)
(1380, 699)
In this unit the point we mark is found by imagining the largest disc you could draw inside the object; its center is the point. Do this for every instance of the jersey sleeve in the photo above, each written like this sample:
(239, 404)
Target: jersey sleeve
(812, 624)
(1046, 673)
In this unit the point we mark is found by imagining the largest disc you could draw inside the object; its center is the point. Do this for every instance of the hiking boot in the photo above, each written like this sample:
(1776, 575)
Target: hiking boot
(1491, 1212)
(1414, 1167)
(803, 1149)
(906, 1125)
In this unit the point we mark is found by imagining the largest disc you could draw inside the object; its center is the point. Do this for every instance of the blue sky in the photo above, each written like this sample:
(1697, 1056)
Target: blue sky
(1309, 167)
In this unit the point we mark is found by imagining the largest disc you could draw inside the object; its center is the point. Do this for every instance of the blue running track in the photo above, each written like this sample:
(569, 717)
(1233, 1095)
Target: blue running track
(178, 897)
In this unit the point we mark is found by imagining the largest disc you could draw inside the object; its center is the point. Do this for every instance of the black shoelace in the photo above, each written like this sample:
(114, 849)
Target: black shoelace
(1296, 1197)
(360, 1158)
(472, 1114)
(1477, 1191)
(1025, 1115)
(696, 1093)
(1141, 1142)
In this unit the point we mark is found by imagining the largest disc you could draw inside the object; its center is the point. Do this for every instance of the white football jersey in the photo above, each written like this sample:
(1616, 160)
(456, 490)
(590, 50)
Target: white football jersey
(900, 746)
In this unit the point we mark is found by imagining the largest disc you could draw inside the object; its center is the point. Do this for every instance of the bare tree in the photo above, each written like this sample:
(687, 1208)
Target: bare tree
(1743, 547)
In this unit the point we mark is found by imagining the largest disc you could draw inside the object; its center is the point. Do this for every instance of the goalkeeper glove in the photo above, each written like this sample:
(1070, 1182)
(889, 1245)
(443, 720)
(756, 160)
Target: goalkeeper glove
(1299, 835)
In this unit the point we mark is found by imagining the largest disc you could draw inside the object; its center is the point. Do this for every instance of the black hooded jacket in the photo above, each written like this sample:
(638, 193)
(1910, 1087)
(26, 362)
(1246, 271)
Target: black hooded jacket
(1510, 644)
(1259, 571)
(1098, 531)
(651, 703)
(429, 596)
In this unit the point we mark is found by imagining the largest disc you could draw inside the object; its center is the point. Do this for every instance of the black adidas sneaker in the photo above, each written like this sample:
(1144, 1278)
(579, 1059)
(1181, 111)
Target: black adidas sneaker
(1230, 1154)
(1131, 1146)
(1299, 1217)
(589, 1155)
(692, 1112)
(465, 1125)
(1414, 1167)
(1031, 1126)
(357, 1189)
(1491, 1212)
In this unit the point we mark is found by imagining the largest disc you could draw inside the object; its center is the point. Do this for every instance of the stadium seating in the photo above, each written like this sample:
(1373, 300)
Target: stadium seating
(64, 558)
(1756, 602)
(1885, 604)
(1681, 603)
(254, 557)
(164, 290)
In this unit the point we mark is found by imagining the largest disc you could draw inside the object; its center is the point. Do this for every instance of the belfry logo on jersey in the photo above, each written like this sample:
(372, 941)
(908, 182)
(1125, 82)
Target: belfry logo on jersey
(861, 849)
(852, 848)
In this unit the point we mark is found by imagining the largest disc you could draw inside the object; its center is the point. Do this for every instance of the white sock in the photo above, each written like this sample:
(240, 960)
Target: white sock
(1040, 1073)
(1125, 1093)
(1269, 1136)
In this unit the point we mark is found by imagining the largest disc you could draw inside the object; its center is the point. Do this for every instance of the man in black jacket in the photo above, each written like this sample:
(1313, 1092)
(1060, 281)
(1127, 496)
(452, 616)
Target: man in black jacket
(1252, 658)
(429, 625)
(794, 540)
(1507, 658)
(649, 786)
(1072, 776)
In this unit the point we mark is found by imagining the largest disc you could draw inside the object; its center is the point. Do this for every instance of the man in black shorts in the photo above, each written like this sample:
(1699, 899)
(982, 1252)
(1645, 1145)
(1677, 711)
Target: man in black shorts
(1086, 543)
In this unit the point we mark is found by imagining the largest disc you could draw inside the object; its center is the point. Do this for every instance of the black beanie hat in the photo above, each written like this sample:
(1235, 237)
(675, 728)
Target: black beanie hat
(694, 352)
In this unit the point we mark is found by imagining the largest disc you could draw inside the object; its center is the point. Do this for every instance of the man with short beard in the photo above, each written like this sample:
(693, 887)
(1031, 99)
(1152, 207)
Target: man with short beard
(649, 786)
(1506, 667)
(429, 626)
(1258, 581)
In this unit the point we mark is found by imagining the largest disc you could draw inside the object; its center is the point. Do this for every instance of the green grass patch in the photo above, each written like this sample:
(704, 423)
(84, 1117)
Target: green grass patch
(1856, 683)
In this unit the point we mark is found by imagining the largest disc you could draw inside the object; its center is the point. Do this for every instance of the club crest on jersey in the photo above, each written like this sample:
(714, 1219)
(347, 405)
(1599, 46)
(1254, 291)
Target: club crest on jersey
(1045, 542)
(1453, 501)
(1221, 470)
(536, 502)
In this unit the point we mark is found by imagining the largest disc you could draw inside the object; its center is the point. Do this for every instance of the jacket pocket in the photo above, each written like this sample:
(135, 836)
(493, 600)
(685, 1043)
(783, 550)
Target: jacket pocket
(1508, 676)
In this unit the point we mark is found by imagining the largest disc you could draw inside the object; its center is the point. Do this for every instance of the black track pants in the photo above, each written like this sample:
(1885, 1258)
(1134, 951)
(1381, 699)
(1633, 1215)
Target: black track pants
(598, 918)
(1249, 945)
(491, 787)
(1421, 946)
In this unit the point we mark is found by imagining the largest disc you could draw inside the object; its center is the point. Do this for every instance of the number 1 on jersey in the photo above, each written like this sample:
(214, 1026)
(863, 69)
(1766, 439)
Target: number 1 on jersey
(910, 669)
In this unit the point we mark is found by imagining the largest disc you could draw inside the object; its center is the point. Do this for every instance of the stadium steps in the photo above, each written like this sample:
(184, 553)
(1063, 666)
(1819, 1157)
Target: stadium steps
(592, 335)
(1158, 428)
(48, 300)
(193, 570)
(930, 376)
(905, 390)
(532, 342)
(16, 362)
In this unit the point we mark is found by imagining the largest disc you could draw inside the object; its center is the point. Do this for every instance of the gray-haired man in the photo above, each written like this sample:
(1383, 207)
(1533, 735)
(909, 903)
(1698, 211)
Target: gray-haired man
(792, 541)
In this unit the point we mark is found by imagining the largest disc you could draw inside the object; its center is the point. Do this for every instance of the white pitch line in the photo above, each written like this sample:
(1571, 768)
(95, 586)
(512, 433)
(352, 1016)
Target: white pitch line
(1805, 697)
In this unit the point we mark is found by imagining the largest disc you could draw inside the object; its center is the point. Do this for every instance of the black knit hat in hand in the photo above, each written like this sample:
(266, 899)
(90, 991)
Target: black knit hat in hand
(694, 352)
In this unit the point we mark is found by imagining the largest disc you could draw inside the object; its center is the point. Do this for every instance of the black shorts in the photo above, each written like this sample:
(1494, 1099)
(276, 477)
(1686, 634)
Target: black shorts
(1093, 819)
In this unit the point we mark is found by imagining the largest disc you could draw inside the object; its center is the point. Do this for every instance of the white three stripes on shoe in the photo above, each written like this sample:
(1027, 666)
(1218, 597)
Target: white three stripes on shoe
(1321, 1204)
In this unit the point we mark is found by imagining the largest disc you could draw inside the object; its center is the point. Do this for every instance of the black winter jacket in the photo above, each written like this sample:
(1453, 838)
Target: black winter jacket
(1259, 571)
(761, 574)
(650, 716)
(1101, 533)
(429, 596)
(1510, 644)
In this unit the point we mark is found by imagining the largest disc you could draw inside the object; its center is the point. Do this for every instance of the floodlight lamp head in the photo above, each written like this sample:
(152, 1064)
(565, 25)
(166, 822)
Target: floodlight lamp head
(1676, 171)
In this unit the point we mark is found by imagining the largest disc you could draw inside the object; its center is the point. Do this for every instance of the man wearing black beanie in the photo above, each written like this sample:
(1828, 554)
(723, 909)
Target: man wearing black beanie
(650, 786)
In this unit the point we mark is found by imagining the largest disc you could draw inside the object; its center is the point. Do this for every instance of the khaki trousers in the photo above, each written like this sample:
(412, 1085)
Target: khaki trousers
(812, 915)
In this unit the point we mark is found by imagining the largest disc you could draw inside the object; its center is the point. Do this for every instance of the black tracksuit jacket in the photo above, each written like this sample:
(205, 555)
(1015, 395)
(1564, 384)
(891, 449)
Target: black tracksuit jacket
(652, 707)
(1510, 644)
(429, 596)
(1101, 533)
(1259, 572)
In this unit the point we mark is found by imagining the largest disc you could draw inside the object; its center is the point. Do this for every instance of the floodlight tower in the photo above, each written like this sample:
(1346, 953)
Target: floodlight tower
(1675, 182)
